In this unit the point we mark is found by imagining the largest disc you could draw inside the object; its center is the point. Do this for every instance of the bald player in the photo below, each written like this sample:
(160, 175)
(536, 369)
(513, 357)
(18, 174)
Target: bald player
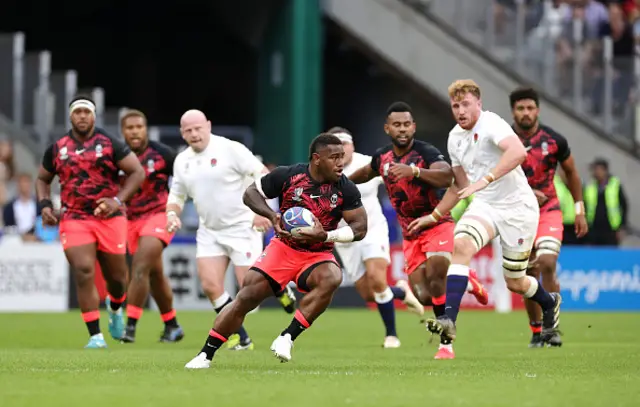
(214, 172)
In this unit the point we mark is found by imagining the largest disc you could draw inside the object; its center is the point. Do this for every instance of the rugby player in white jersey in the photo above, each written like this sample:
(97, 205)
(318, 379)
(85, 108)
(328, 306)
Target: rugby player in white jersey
(485, 157)
(213, 171)
(365, 263)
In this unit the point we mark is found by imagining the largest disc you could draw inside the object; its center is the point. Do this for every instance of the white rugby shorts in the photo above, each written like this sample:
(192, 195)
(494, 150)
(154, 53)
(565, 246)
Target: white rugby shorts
(375, 245)
(241, 244)
(516, 225)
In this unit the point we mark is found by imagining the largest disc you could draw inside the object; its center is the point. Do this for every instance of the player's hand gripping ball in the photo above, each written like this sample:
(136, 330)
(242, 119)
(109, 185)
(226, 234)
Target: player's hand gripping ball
(296, 219)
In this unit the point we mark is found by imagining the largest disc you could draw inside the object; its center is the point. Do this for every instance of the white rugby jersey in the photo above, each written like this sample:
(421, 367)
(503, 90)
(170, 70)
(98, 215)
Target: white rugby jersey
(477, 151)
(216, 179)
(368, 191)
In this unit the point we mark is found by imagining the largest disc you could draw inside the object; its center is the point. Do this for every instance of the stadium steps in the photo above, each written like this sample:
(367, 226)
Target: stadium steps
(430, 55)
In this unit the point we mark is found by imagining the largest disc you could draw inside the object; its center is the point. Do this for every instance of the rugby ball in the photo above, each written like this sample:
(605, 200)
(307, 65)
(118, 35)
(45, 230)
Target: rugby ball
(296, 218)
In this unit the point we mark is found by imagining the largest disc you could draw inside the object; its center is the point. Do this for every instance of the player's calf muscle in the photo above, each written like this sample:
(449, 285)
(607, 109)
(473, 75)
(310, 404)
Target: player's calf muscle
(436, 274)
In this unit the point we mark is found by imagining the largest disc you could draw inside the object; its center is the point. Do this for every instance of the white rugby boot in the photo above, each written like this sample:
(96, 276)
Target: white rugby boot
(199, 362)
(281, 347)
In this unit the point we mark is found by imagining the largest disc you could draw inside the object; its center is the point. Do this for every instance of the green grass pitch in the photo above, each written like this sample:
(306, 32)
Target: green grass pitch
(338, 362)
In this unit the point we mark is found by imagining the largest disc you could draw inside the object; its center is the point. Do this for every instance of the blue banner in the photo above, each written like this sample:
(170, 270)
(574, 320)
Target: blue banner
(599, 279)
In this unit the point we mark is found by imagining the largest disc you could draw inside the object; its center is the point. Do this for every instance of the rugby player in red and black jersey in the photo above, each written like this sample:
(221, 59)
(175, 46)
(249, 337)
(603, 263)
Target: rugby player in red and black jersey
(148, 236)
(93, 226)
(546, 149)
(416, 175)
(307, 260)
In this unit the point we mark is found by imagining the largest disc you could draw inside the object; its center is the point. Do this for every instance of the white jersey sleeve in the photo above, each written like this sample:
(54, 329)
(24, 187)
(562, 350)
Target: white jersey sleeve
(498, 129)
(455, 162)
(246, 163)
(178, 192)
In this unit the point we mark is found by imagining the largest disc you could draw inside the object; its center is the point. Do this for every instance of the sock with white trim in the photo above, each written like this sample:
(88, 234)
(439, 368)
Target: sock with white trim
(384, 300)
(457, 279)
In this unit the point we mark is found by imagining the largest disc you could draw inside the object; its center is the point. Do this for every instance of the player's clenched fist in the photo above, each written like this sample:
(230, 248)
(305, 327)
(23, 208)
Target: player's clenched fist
(261, 224)
(173, 222)
(399, 171)
(421, 223)
(48, 217)
(107, 207)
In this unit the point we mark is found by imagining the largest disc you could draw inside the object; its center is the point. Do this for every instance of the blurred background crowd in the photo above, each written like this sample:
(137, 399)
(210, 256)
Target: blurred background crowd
(273, 93)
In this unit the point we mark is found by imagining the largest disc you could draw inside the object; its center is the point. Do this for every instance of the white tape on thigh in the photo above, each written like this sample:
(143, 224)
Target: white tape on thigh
(514, 264)
(473, 229)
(548, 245)
(446, 255)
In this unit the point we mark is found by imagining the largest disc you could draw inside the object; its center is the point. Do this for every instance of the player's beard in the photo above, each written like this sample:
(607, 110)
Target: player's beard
(528, 125)
(82, 133)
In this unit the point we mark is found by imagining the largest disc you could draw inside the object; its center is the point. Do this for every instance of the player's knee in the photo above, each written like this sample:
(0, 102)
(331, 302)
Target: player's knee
(364, 289)
(517, 285)
(245, 300)
(141, 270)
(328, 279)
(140, 274)
(211, 287)
(83, 269)
(377, 282)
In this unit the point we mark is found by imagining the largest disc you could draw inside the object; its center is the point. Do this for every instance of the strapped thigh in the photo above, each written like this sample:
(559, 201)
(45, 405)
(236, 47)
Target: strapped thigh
(514, 263)
(547, 245)
(471, 228)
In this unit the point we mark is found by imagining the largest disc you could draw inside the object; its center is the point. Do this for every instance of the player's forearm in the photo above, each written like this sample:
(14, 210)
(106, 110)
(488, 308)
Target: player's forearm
(510, 160)
(257, 203)
(439, 178)
(448, 201)
(362, 175)
(131, 185)
(43, 190)
(359, 228)
(574, 183)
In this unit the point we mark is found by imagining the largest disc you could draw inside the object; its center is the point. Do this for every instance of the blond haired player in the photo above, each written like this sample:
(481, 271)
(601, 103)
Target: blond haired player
(485, 157)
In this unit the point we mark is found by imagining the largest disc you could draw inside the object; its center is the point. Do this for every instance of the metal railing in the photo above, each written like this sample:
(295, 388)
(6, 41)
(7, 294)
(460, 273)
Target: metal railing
(37, 106)
(555, 49)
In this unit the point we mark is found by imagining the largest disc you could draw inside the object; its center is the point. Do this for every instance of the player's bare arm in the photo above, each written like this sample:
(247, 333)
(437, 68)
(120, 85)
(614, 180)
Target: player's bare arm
(130, 165)
(362, 175)
(43, 192)
(257, 203)
(356, 220)
(438, 175)
(261, 223)
(355, 230)
(513, 154)
(175, 201)
(447, 203)
(574, 183)
(135, 176)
